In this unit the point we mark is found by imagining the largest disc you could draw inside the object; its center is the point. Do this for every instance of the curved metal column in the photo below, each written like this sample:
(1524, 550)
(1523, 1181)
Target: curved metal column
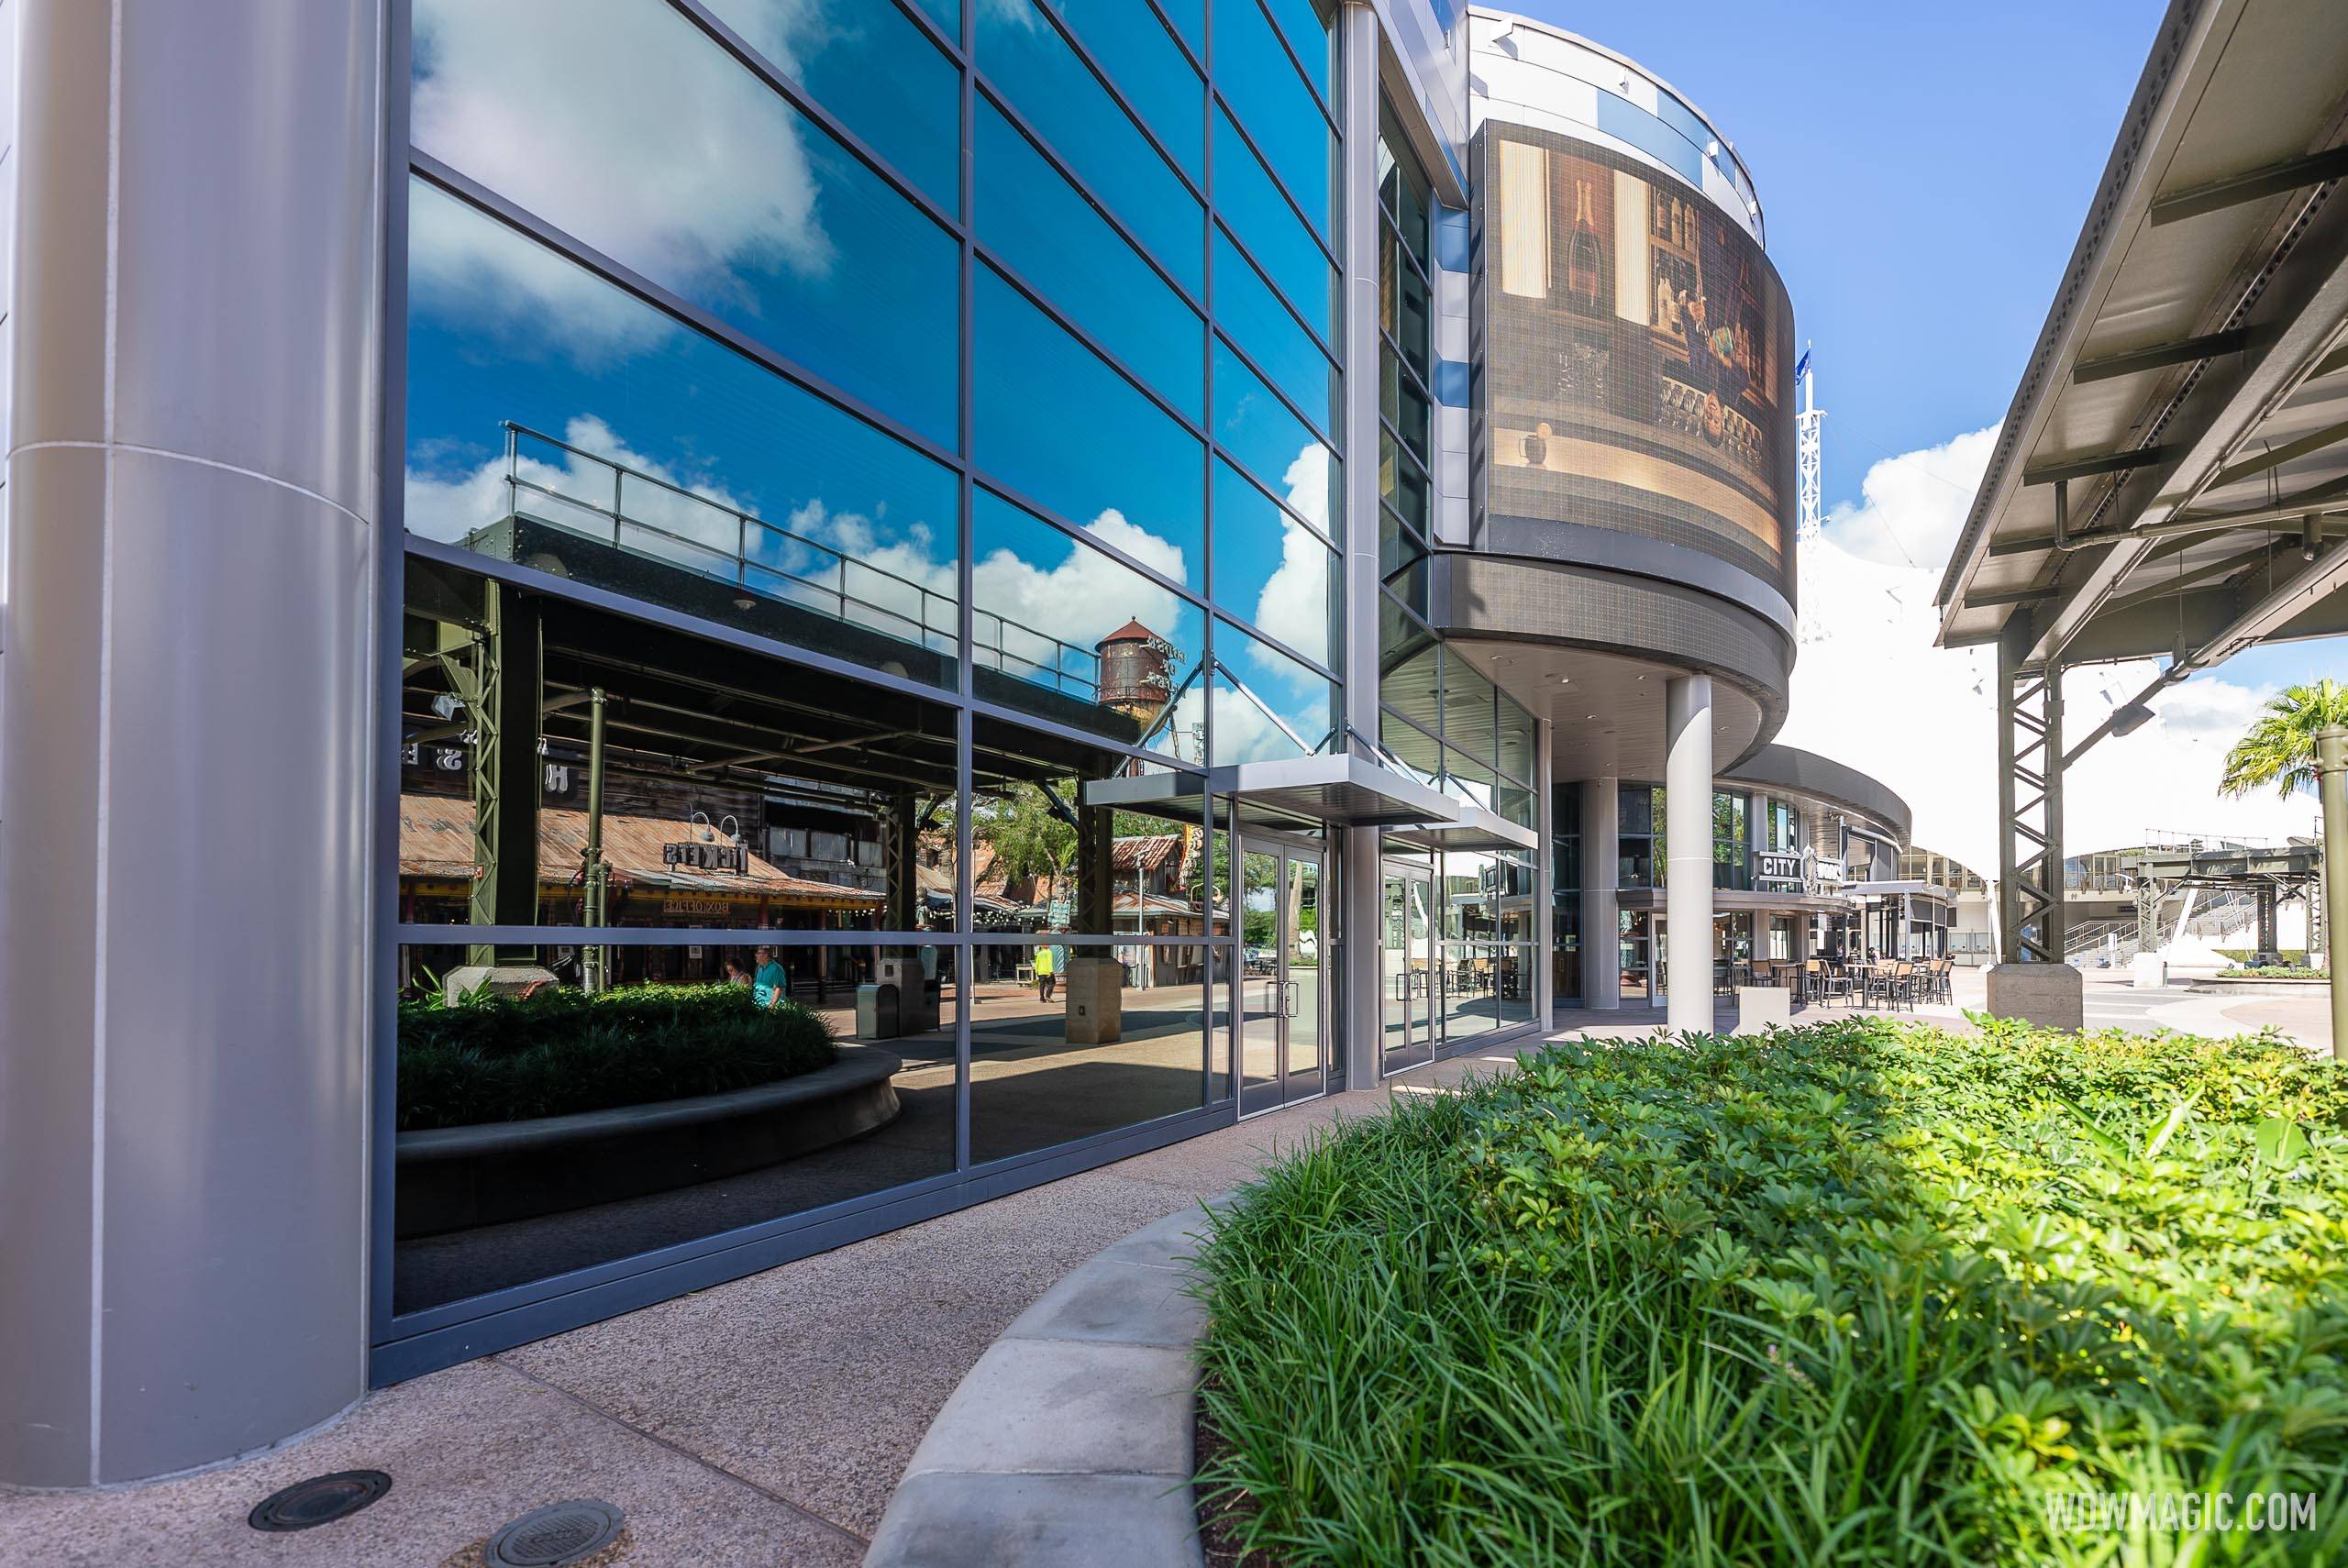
(185, 720)
(1688, 825)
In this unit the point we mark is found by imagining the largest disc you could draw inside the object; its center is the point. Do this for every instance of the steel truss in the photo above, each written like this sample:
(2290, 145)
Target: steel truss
(2030, 810)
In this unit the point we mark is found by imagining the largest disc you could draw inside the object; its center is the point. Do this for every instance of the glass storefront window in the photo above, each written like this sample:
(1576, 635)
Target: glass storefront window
(611, 445)
(1147, 66)
(1067, 431)
(781, 1098)
(1037, 223)
(870, 66)
(1251, 205)
(1255, 77)
(709, 184)
(1245, 307)
(1272, 571)
(1265, 704)
(1023, 56)
(1060, 630)
(1470, 720)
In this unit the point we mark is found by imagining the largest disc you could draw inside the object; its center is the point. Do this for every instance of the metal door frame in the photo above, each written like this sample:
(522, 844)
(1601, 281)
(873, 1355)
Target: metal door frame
(1422, 876)
(1283, 852)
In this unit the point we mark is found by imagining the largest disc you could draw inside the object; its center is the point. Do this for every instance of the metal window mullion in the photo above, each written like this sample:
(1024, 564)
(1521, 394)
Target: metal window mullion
(1401, 357)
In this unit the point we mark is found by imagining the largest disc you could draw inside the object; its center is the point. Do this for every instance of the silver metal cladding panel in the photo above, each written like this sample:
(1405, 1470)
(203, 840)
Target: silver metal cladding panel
(184, 771)
(1360, 886)
(1688, 883)
(1478, 595)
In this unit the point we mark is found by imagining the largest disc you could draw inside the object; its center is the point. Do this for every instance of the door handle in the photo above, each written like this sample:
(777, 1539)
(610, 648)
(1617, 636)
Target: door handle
(1294, 992)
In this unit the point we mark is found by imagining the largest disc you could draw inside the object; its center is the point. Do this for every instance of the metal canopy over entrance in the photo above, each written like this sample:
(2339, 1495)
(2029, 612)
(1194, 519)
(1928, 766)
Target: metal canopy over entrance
(2171, 480)
(1329, 791)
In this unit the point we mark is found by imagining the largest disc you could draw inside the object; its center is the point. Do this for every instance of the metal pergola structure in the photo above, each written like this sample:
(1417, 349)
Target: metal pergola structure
(2171, 482)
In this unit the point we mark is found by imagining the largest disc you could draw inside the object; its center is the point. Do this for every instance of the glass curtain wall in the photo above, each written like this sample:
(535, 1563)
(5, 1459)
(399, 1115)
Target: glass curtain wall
(855, 450)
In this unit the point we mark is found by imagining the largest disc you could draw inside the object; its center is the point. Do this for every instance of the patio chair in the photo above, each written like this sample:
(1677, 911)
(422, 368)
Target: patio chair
(1821, 983)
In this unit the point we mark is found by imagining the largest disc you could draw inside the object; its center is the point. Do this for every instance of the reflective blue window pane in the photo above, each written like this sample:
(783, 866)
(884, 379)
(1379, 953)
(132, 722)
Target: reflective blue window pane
(1025, 58)
(1039, 225)
(1252, 426)
(1059, 426)
(1245, 307)
(1042, 605)
(1256, 78)
(1133, 46)
(1272, 571)
(1621, 118)
(628, 126)
(946, 14)
(1314, 45)
(649, 460)
(867, 63)
(1189, 18)
(1246, 199)
(1267, 706)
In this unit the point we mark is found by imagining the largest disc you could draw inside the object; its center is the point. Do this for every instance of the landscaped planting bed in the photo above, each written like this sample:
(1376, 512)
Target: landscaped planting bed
(560, 1051)
(1858, 1293)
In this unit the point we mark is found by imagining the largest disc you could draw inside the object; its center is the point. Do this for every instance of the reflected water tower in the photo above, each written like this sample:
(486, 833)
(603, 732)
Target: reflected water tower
(1134, 662)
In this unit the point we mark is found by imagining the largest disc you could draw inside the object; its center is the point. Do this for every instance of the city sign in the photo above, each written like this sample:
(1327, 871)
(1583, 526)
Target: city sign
(702, 855)
(1776, 871)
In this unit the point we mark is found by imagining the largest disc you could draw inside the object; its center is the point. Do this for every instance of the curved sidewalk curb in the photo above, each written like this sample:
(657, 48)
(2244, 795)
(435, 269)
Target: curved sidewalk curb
(1068, 1445)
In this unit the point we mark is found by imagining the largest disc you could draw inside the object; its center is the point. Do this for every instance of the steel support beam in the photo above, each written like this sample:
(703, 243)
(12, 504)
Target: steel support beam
(2030, 809)
(2160, 356)
(2291, 174)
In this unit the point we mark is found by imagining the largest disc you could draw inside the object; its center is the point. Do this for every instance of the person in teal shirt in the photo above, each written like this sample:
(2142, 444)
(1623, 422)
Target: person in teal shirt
(770, 985)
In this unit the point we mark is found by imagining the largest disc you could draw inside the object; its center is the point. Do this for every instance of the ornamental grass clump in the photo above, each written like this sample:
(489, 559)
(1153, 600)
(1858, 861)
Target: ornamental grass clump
(486, 1058)
(1858, 1293)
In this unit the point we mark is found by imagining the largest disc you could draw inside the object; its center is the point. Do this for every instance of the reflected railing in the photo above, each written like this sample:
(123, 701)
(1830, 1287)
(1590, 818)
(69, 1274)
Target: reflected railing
(644, 514)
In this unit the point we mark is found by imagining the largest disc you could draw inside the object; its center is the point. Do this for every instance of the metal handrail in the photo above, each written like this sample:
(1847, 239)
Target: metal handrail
(1067, 666)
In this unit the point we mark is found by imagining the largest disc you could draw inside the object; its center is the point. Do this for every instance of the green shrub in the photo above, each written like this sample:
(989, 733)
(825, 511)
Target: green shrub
(2271, 972)
(514, 1058)
(1860, 1293)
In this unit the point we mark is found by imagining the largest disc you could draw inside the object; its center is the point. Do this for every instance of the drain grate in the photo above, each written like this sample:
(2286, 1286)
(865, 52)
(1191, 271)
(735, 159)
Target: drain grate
(554, 1535)
(321, 1499)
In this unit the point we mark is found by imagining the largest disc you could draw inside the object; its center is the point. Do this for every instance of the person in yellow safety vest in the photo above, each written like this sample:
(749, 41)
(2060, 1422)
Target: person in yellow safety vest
(1046, 973)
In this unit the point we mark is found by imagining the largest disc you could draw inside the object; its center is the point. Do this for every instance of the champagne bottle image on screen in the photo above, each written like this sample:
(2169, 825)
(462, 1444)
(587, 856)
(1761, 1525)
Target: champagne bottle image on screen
(1584, 258)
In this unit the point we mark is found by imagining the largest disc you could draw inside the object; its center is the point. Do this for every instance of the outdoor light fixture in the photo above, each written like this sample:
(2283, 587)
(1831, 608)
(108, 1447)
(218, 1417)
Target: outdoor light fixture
(2311, 536)
(2130, 719)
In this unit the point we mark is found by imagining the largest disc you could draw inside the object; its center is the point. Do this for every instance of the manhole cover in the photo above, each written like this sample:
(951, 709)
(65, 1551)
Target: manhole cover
(554, 1535)
(321, 1499)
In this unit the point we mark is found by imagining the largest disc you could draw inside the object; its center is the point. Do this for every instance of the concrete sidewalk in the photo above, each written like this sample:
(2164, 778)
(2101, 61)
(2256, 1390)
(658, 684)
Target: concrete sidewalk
(763, 1421)
(767, 1420)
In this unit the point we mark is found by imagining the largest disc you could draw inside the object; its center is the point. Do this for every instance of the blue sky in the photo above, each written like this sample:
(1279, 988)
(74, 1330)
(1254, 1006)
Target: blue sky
(1923, 171)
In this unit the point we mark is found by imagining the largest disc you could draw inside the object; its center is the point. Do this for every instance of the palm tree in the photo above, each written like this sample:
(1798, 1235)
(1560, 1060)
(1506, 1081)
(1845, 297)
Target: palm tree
(2280, 749)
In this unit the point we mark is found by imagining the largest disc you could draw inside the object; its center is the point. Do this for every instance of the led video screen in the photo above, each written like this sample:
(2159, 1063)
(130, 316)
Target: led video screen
(1638, 355)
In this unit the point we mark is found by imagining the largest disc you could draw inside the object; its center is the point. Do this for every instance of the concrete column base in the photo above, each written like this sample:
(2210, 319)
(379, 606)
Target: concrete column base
(1096, 1000)
(1763, 1007)
(2052, 996)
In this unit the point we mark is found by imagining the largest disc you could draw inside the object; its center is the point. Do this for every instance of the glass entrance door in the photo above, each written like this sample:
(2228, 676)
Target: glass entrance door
(1283, 1006)
(1407, 971)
